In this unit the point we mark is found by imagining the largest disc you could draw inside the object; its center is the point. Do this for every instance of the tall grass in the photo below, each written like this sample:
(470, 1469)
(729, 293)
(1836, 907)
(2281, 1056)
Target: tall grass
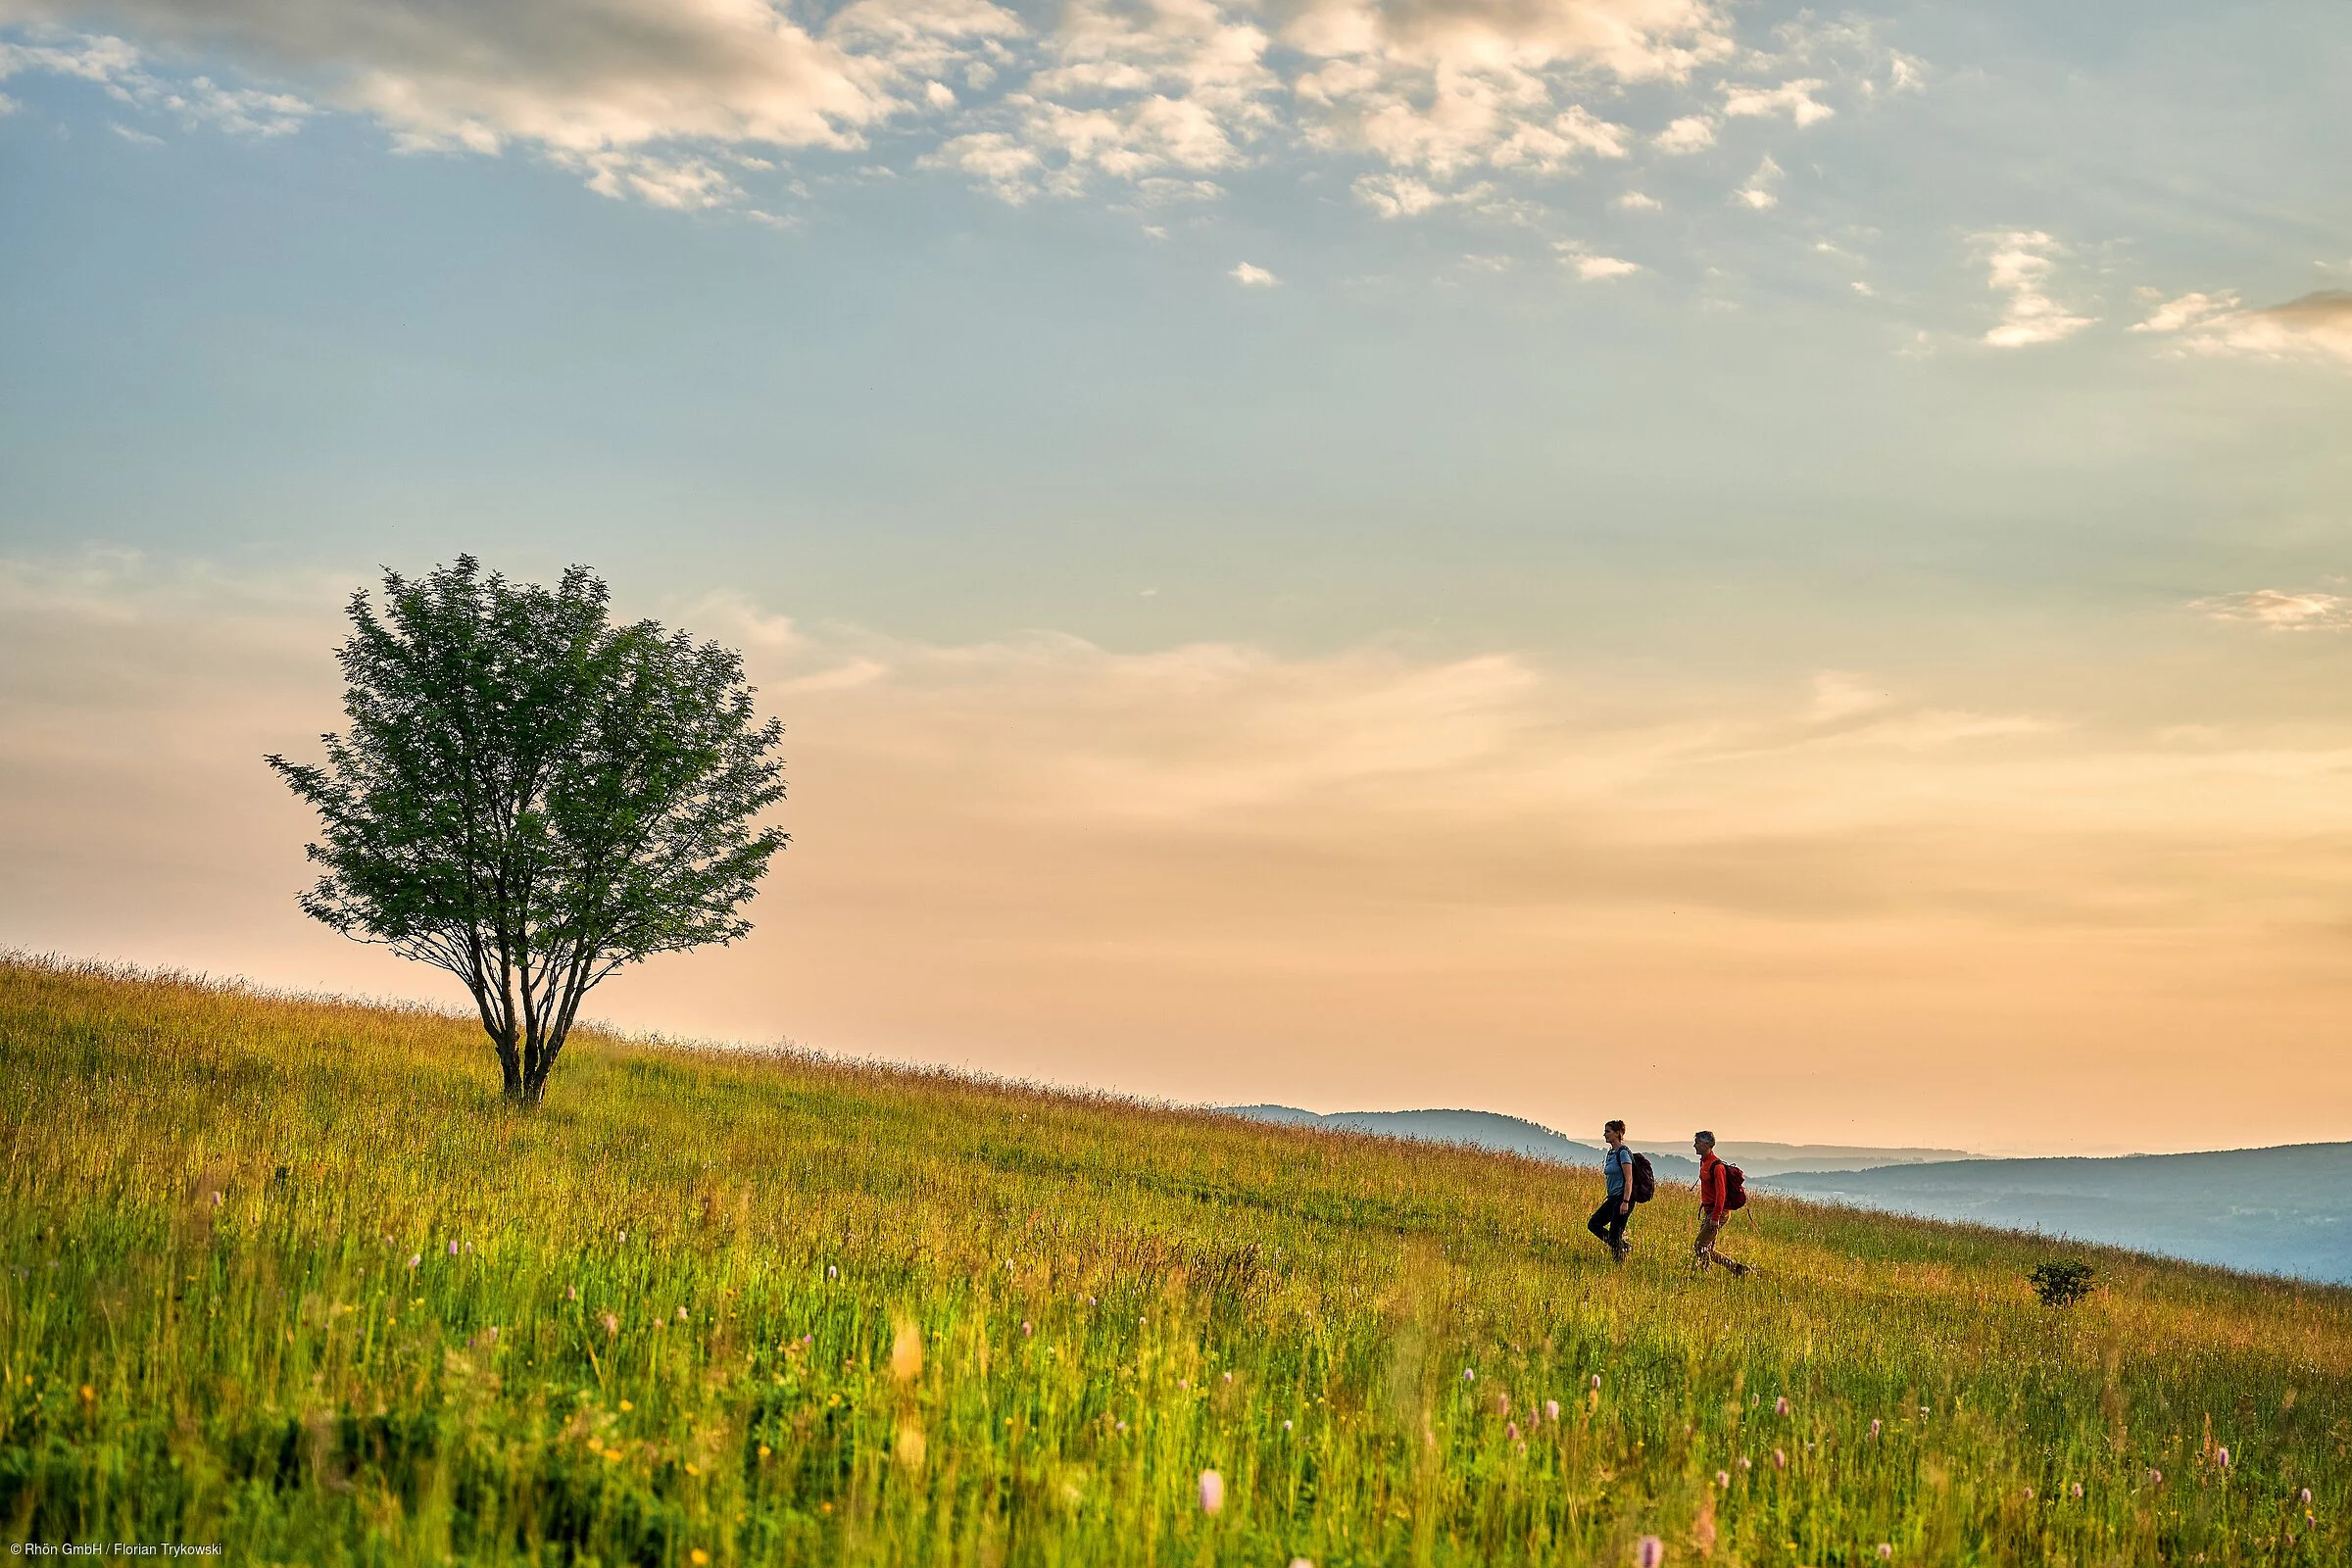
(287, 1275)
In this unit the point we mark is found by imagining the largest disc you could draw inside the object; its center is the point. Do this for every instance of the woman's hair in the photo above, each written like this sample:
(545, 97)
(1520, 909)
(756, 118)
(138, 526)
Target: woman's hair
(1707, 1138)
(1616, 1127)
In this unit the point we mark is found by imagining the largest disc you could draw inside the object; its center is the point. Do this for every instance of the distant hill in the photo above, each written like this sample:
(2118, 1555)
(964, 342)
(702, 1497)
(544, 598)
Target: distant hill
(2285, 1210)
(1487, 1129)
(1479, 1129)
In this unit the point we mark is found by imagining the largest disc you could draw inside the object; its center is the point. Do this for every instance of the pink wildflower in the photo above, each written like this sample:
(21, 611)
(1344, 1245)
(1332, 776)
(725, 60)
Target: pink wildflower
(2305, 1497)
(681, 1315)
(453, 1249)
(2222, 1454)
(612, 1326)
(1745, 1463)
(1026, 1329)
(1885, 1550)
(1650, 1552)
(1779, 1406)
(1596, 1380)
(1722, 1478)
(1874, 1428)
(416, 1259)
(1512, 1431)
(1551, 1409)
(1502, 1405)
(1779, 1460)
(1212, 1491)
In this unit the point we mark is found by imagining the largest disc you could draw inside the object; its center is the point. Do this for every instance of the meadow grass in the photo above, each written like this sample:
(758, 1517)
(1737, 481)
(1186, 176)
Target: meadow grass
(288, 1276)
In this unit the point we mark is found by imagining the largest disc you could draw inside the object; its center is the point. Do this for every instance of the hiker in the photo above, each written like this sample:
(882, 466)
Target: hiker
(1607, 1223)
(1721, 1189)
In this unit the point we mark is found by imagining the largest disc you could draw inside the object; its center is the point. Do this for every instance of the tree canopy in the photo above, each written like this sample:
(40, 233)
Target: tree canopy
(530, 797)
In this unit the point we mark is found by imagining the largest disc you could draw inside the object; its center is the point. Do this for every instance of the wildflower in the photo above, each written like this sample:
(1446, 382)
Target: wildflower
(1745, 1463)
(612, 1326)
(571, 1293)
(1779, 1460)
(1886, 1551)
(1923, 1410)
(1502, 1405)
(766, 1451)
(2223, 1455)
(1229, 1377)
(681, 1315)
(1286, 1426)
(626, 1406)
(1512, 1431)
(1779, 1406)
(1026, 1330)
(1597, 1380)
(1650, 1552)
(1302, 1562)
(2155, 1477)
(2028, 1494)
(453, 1249)
(215, 1200)
(1122, 1426)
(1090, 1300)
(416, 1259)
(698, 1556)
(1551, 1409)
(2304, 1497)
(1722, 1478)
(1874, 1428)
(2076, 1489)
(1212, 1491)
(1182, 1383)
(832, 1272)
(90, 1395)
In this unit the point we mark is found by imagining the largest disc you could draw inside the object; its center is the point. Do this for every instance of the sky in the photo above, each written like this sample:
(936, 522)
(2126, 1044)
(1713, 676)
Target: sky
(1743, 565)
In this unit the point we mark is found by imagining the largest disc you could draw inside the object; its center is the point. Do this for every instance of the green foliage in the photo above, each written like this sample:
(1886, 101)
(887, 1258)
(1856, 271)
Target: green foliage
(2060, 1284)
(764, 1308)
(530, 797)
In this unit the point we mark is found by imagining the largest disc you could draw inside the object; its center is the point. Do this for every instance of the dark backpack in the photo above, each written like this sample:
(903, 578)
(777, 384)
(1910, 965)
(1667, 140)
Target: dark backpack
(1646, 1179)
(1734, 1187)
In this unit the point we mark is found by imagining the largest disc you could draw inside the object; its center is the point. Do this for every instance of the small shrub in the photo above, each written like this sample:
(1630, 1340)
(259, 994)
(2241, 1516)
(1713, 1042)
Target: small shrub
(2060, 1284)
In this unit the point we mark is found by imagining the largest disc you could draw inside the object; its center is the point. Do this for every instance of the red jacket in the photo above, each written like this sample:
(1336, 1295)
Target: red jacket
(1710, 1187)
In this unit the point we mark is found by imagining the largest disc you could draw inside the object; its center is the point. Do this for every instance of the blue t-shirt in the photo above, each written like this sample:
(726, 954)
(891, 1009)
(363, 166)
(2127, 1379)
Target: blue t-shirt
(1617, 1165)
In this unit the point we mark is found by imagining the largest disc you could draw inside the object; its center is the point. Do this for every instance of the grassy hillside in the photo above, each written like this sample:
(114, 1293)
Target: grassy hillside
(285, 1275)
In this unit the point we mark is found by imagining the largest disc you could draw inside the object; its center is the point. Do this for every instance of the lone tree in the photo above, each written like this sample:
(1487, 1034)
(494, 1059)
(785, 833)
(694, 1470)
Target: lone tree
(530, 796)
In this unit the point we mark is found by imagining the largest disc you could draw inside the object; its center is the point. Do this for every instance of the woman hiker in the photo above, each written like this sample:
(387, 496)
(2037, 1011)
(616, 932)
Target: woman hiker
(1607, 1223)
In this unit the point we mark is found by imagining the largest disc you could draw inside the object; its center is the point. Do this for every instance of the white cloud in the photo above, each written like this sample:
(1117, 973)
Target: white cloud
(2186, 310)
(2282, 611)
(1249, 276)
(1634, 201)
(1592, 268)
(1794, 99)
(2019, 265)
(1760, 193)
(1689, 134)
(2316, 326)
(679, 102)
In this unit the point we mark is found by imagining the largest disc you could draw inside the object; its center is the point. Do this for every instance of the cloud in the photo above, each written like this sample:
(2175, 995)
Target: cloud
(2281, 611)
(124, 72)
(2019, 263)
(1634, 201)
(1249, 276)
(1038, 854)
(1794, 99)
(1759, 192)
(632, 92)
(1689, 134)
(2316, 326)
(1593, 269)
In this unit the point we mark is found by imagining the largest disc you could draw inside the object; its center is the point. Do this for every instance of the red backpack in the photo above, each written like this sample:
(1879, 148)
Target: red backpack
(1734, 1187)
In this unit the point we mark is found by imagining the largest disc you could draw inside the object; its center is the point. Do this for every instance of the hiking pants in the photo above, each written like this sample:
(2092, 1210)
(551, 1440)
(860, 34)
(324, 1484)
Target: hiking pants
(1608, 1224)
(1709, 1227)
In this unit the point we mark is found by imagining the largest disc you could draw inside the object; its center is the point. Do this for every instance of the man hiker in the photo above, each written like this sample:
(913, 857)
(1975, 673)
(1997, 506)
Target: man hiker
(1714, 1204)
(1607, 1223)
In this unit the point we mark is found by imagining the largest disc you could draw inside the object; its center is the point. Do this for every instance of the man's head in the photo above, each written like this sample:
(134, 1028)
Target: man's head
(1703, 1142)
(1613, 1131)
